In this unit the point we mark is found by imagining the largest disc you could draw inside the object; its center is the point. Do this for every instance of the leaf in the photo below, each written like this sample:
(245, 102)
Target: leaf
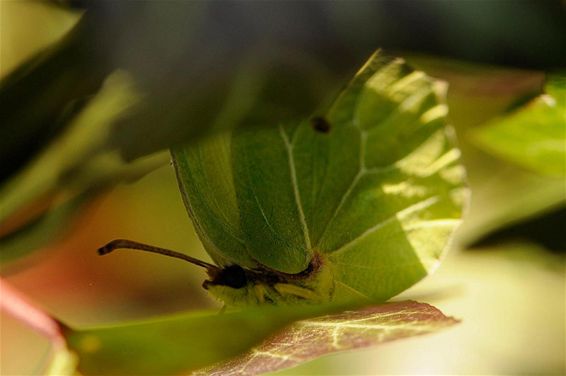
(81, 143)
(309, 339)
(251, 93)
(74, 167)
(180, 343)
(533, 136)
(373, 187)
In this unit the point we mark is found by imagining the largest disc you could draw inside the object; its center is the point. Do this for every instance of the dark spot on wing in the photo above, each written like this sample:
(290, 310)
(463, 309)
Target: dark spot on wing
(320, 124)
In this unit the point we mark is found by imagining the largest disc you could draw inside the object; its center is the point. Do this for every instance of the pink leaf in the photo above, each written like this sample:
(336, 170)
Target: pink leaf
(15, 304)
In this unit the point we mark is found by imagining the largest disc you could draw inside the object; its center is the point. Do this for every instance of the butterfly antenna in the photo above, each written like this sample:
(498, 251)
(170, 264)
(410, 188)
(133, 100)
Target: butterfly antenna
(130, 244)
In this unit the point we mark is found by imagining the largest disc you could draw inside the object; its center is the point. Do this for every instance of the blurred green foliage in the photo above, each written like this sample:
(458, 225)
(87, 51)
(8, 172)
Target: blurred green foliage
(534, 135)
(74, 167)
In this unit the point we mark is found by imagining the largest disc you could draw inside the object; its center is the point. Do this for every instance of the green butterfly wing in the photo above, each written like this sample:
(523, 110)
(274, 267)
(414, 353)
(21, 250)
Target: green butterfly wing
(375, 186)
(206, 179)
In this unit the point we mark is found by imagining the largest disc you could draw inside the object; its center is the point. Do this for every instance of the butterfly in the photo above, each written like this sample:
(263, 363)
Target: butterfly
(359, 202)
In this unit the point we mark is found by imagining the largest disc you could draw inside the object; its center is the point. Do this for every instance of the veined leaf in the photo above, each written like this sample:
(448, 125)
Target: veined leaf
(367, 194)
(176, 344)
(309, 339)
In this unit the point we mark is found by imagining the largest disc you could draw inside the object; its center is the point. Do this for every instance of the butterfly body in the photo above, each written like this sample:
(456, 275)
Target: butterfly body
(237, 286)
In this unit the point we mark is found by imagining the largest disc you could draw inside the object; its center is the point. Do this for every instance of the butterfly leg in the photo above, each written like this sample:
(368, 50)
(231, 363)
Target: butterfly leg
(260, 292)
(301, 292)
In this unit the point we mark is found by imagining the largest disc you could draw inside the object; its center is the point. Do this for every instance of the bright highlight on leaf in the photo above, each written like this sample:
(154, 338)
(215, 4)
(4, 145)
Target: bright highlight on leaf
(357, 202)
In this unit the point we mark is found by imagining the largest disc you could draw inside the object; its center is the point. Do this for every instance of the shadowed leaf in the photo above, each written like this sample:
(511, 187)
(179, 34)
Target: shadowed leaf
(41, 95)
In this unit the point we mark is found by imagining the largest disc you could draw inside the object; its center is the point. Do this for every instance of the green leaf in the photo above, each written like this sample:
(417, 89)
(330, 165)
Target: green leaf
(176, 345)
(533, 136)
(309, 339)
(181, 343)
(370, 191)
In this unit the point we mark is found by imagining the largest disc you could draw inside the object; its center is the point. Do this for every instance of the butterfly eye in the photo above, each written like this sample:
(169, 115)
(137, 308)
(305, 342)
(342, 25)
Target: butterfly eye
(232, 276)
